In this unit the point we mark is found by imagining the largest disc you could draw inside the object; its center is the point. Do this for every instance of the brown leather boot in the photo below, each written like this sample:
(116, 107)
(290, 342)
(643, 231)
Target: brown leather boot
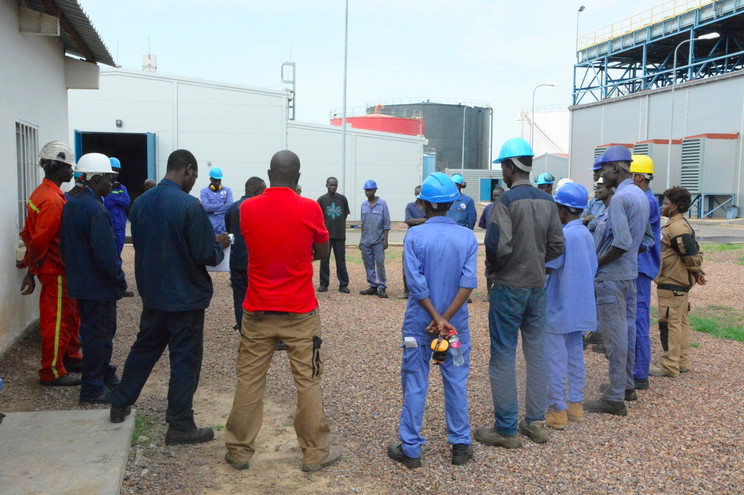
(556, 419)
(575, 411)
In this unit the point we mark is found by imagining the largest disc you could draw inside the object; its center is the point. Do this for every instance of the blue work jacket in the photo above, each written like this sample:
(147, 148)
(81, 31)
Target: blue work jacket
(92, 263)
(117, 203)
(173, 242)
(439, 258)
(375, 221)
(463, 211)
(216, 204)
(570, 284)
(649, 261)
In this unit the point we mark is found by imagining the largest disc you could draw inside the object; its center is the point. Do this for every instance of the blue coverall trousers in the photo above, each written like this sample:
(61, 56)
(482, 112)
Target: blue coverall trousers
(415, 381)
(513, 310)
(564, 354)
(373, 256)
(616, 309)
(97, 331)
(643, 320)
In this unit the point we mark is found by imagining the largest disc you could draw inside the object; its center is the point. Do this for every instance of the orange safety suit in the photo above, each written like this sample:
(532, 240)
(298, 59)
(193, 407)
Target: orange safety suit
(58, 315)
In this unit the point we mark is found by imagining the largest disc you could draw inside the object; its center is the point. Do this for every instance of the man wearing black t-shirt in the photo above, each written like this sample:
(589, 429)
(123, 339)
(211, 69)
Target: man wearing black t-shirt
(335, 210)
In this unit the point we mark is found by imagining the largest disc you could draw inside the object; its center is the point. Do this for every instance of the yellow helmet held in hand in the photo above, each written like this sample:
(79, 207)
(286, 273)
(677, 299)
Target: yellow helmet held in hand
(642, 164)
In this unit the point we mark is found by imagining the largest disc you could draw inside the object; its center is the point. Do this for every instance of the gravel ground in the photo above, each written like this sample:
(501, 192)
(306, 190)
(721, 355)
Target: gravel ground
(683, 435)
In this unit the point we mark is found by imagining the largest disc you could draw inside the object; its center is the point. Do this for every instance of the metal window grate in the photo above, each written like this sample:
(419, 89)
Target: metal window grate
(692, 153)
(641, 149)
(27, 158)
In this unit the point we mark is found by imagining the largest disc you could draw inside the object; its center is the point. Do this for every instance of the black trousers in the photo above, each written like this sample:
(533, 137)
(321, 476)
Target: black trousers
(183, 333)
(97, 331)
(338, 247)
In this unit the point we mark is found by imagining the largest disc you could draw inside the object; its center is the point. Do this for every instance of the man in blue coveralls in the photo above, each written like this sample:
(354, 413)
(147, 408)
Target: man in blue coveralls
(618, 241)
(414, 215)
(374, 241)
(440, 261)
(569, 295)
(94, 275)
(173, 241)
(117, 203)
(238, 253)
(463, 209)
(649, 262)
(216, 199)
(524, 232)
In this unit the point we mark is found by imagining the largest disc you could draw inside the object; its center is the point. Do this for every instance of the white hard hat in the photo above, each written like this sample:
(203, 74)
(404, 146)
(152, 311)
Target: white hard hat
(562, 182)
(94, 163)
(59, 151)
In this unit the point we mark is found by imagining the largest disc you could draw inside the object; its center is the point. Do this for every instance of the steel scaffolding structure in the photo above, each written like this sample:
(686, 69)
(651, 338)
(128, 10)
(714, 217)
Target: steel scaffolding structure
(642, 58)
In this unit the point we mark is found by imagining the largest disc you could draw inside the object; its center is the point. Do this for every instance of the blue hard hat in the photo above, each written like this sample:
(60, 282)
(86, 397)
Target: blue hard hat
(370, 184)
(77, 175)
(115, 163)
(514, 147)
(215, 173)
(573, 195)
(457, 179)
(545, 179)
(597, 163)
(438, 188)
(617, 153)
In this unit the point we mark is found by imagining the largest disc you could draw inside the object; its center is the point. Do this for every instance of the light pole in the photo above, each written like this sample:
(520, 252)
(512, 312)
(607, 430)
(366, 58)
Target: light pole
(532, 118)
(462, 148)
(581, 9)
(343, 119)
(709, 36)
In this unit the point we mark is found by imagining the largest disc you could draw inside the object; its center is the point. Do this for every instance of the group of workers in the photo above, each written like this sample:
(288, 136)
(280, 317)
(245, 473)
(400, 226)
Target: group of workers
(557, 267)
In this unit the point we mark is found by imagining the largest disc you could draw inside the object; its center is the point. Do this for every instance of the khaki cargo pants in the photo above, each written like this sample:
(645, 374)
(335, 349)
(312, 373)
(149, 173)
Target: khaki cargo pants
(674, 330)
(260, 332)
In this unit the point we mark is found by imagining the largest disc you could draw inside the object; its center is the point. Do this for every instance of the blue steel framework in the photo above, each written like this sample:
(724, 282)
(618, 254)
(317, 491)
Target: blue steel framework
(643, 59)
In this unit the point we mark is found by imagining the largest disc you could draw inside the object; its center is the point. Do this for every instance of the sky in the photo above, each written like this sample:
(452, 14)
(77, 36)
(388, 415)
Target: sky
(487, 52)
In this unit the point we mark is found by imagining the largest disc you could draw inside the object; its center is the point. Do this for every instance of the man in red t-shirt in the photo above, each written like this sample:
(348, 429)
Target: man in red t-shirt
(284, 233)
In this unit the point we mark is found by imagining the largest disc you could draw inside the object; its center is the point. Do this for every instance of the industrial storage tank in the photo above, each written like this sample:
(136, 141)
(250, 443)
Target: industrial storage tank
(459, 133)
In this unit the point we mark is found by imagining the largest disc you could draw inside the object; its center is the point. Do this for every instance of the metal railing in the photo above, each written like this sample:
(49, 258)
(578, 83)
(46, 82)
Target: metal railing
(667, 10)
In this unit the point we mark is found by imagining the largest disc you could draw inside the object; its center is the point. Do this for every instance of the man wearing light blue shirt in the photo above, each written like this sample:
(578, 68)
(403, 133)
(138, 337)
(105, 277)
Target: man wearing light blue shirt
(618, 241)
(440, 261)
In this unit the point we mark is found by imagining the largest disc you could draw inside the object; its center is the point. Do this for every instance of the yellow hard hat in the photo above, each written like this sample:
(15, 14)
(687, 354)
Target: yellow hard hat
(642, 164)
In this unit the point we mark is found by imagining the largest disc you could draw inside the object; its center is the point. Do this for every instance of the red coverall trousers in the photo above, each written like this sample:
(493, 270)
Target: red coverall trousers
(59, 322)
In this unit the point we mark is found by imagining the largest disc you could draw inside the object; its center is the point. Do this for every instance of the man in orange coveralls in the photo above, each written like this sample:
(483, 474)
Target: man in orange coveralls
(58, 316)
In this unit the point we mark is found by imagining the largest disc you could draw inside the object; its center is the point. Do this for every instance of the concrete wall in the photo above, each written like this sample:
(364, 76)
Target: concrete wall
(713, 105)
(33, 92)
(238, 129)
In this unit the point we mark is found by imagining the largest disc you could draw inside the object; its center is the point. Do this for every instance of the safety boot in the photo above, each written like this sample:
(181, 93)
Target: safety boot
(556, 419)
(575, 411)
(534, 431)
(603, 406)
(487, 435)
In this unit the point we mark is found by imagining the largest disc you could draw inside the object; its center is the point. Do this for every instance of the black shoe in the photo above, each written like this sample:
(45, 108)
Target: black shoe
(236, 327)
(197, 435)
(74, 367)
(101, 399)
(235, 464)
(470, 300)
(630, 394)
(62, 381)
(593, 338)
(461, 453)
(323, 288)
(280, 346)
(119, 414)
(381, 293)
(372, 291)
(344, 289)
(395, 452)
(641, 384)
(129, 293)
(602, 406)
(599, 349)
(112, 381)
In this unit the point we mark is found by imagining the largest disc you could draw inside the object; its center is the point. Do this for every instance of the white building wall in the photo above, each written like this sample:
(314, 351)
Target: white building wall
(713, 105)
(551, 133)
(393, 161)
(235, 128)
(238, 129)
(32, 91)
